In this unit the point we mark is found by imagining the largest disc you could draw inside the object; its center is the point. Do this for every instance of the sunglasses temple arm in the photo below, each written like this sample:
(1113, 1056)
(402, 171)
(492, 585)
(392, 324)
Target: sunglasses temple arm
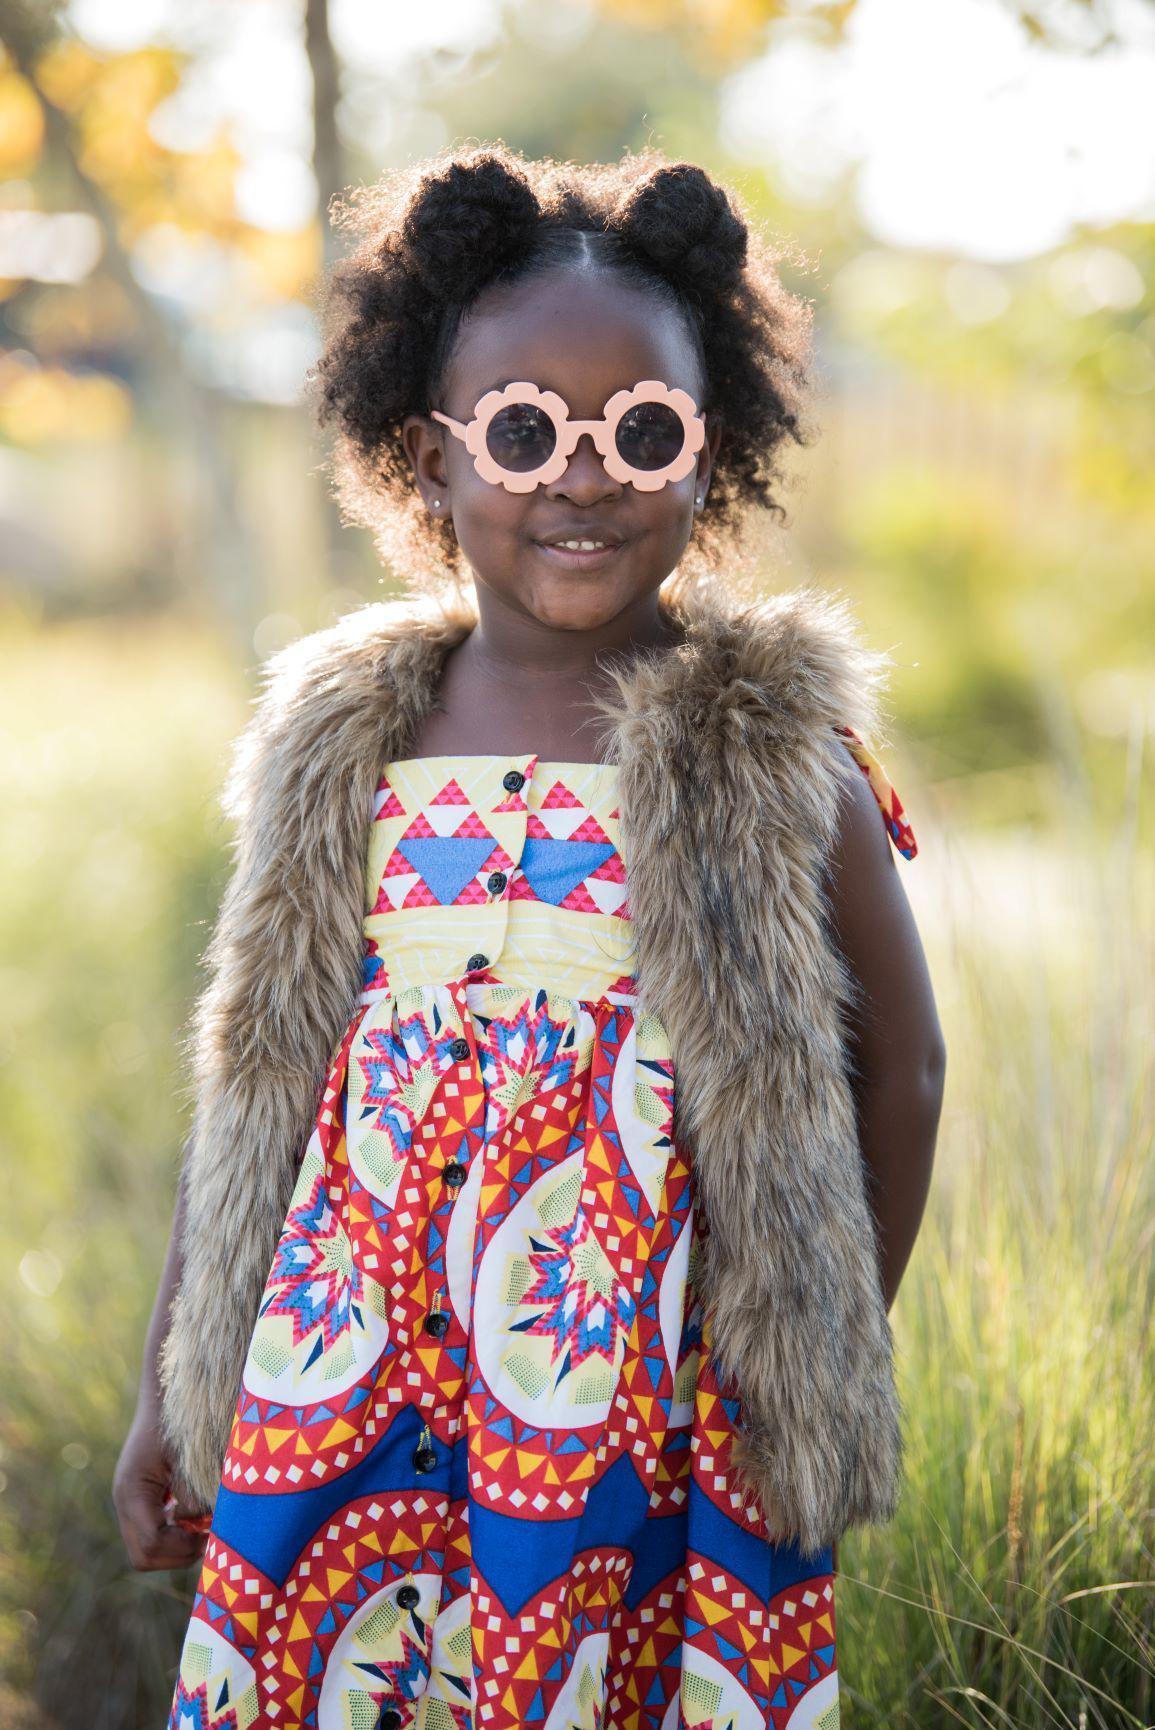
(455, 426)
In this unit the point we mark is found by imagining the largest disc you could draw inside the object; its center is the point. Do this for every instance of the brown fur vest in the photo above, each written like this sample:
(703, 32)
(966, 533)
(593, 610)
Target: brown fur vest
(730, 779)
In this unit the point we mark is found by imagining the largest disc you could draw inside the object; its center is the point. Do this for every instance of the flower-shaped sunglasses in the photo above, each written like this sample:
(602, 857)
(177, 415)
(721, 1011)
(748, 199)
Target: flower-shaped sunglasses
(522, 437)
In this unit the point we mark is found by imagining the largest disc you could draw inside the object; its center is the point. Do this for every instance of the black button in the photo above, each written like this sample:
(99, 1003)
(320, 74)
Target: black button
(389, 1720)
(424, 1459)
(514, 781)
(454, 1174)
(476, 961)
(459, 1050)
(437, 1324)
(495, 882)
(408, 1597)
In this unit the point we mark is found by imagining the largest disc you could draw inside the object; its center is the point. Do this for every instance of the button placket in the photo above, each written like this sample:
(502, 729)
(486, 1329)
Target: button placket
(507, 817)
(462, 1050)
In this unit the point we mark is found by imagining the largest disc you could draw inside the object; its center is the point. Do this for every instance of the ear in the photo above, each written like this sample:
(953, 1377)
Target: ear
(424, 443)
(708, 453)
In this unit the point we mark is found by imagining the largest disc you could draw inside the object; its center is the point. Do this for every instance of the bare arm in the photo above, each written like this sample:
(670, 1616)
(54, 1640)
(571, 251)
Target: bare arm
(144, 1471)
(896, 1042)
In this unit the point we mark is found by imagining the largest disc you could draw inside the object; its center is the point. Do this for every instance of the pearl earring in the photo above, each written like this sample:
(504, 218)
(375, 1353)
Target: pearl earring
(437, 504)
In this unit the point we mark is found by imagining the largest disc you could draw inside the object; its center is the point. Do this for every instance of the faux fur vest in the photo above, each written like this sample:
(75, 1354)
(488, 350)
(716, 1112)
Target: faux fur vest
(729, 777)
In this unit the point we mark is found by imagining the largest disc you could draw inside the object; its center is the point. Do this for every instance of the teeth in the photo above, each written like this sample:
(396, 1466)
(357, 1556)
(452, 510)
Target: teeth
(581, 546)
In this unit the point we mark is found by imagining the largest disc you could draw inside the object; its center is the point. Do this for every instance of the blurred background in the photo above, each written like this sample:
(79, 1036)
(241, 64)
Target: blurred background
(968, 192)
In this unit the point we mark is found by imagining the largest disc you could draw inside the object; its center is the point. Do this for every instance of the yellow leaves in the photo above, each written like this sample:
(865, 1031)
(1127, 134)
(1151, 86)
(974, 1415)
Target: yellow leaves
(68, 74)
(21, 124)
(110, 102)
(113, 89)
(192, 193)
(203, 184)
(45, 404)
(282, 265)
(117, 147)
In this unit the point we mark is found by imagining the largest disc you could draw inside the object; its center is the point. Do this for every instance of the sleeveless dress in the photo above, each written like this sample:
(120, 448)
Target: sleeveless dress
(479, 1474)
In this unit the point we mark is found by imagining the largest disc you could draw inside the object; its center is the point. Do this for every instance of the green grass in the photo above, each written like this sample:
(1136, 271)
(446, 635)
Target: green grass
(1017, 1586)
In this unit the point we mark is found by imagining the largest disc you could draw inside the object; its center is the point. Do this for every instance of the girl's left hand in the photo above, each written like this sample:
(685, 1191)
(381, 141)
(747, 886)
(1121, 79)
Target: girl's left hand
(158, 1530)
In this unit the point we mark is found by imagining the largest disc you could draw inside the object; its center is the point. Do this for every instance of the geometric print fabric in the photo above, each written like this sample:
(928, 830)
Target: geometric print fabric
(479, 1472)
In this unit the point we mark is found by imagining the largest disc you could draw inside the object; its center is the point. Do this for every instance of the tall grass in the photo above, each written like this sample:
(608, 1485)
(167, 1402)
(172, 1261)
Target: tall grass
(1016, 1588)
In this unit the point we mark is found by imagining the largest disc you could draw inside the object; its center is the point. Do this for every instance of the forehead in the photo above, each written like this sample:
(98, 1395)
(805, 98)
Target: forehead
(582, 333)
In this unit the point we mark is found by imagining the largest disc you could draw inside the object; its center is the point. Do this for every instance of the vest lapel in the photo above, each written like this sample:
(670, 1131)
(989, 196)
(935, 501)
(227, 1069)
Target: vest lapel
(729, 776)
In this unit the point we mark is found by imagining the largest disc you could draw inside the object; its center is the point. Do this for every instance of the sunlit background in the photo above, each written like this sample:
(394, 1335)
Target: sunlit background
(967, 189)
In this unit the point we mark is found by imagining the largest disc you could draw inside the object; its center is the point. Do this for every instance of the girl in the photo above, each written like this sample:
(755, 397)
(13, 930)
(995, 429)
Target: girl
(524, 1325)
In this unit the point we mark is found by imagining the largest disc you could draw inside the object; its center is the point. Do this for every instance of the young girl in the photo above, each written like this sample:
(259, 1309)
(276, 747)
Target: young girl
(524, 1324)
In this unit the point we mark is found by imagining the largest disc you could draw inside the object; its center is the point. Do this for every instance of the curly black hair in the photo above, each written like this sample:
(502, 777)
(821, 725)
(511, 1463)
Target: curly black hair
(431, 236)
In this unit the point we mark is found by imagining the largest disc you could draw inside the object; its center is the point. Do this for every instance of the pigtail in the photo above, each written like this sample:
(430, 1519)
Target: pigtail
(681, 223)
(473, 220)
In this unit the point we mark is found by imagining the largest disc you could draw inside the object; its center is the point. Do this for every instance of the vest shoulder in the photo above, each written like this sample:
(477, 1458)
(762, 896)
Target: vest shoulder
(334, 686)
(363, 640)
(800, 656)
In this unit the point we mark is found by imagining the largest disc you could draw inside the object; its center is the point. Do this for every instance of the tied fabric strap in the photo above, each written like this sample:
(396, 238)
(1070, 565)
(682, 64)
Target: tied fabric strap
(893, 815)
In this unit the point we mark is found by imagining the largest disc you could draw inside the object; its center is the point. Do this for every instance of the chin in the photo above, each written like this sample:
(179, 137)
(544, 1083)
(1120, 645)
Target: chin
(576, 611)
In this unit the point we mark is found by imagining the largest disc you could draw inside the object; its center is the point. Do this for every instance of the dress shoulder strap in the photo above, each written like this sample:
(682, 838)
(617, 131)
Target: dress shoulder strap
(889, 803)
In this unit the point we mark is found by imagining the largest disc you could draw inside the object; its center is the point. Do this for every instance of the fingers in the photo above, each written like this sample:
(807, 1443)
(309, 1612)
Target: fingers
(152, 1539)
(180, 1510)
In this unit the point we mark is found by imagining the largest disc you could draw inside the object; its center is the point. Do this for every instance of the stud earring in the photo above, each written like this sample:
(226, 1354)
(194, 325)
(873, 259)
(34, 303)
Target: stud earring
(437, 504)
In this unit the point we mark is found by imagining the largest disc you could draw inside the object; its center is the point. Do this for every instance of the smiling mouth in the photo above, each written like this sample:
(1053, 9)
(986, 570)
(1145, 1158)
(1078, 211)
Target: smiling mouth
(580, 553)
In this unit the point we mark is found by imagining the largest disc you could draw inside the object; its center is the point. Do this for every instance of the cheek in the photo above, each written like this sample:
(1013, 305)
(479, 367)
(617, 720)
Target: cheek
(668, 515)
(483, 510)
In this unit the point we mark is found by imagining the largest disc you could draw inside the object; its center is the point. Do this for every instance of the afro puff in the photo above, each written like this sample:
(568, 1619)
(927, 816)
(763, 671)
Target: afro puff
(431, 236)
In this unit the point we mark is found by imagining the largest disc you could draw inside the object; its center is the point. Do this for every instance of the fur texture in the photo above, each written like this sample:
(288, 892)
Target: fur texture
(730, 778)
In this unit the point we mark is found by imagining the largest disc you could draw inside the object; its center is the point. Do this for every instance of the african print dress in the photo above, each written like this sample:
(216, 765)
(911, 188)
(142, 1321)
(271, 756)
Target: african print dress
(479, 1474)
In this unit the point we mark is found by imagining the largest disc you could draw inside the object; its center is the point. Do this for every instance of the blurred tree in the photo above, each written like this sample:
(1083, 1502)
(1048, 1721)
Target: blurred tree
(328, 149)
(329, 169)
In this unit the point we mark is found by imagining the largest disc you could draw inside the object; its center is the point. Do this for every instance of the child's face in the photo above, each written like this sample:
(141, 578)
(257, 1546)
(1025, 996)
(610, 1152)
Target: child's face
(584, 335)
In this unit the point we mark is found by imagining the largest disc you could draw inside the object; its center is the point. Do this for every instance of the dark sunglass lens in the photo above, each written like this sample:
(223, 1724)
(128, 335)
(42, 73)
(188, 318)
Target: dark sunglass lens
(650, 435)
(520, 437)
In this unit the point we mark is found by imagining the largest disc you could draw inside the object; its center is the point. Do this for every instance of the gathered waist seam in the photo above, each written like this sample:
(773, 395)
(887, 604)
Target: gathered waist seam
(476, 989)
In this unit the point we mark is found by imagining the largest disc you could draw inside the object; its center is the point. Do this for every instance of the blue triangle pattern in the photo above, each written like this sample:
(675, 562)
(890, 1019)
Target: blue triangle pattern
(446, 862)
(554, 868)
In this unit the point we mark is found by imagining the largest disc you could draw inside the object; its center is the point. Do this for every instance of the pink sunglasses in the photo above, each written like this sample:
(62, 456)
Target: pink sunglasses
(522, 437)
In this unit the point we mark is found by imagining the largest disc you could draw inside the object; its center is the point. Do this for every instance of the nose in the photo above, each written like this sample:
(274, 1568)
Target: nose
(585, 478)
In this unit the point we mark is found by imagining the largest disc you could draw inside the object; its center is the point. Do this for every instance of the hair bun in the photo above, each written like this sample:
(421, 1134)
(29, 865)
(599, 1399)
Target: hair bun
(469, 220)
(684, 224)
